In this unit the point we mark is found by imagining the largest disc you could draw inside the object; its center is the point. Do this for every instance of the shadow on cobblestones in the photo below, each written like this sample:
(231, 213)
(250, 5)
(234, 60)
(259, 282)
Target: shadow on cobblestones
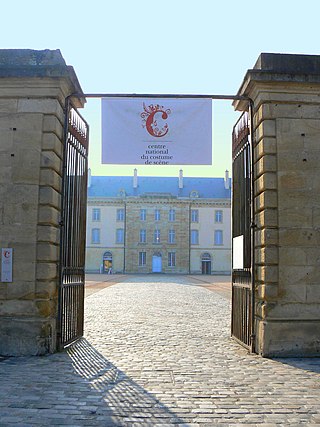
(124, 398)
(78, 387)
(309, 364)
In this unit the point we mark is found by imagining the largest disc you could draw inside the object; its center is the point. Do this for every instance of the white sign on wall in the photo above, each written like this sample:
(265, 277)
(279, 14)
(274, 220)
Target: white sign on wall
(6, 264)
(237, 253)
(158, 131)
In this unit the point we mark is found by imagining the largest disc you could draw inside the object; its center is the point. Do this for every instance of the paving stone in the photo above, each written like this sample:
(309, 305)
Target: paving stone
(157, 351)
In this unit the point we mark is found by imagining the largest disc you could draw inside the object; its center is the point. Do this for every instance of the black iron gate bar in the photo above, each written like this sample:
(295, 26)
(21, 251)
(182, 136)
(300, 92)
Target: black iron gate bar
(242, 326)
(73, 223)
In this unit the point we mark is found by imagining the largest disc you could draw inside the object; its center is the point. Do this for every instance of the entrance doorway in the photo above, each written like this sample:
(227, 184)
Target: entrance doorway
(206, 263)
(242, 213)
(107, 263)
(157, 263)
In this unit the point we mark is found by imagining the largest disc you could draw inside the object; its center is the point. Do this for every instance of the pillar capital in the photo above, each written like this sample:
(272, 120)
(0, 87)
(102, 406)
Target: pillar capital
(276, 74)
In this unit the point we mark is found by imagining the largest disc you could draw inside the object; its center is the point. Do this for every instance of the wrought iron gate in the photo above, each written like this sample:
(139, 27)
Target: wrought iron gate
(242, 220)
(73, 228)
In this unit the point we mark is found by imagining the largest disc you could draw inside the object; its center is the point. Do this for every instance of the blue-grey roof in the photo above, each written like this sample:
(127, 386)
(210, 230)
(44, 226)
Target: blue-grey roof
(111, 186)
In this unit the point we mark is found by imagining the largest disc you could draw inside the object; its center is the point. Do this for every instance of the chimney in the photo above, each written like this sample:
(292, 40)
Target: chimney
(226, 180)
(135, 178)
(89, 178)
(180, 178)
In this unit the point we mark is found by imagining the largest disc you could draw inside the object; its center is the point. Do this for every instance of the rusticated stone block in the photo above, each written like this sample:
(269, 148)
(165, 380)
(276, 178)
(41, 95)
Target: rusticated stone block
(266, 200)
(51, 142)
(295, 217)
(268, 292)
(27, 336)
(296, 180)
(268, 218)
(299, 237)
(21, 212)
(45, 106)
(47, 308)
(46, 271)
(267, 181)
(293, 256)
(48, 233)
(48, 215)
(298, 199)
(21, 290)
(287, 338)
(267, 255)
(46, 290)
(267, 163)
(265, 129)
(17, 307)
(48, 252)
(266, 236)
(8, 106)
(52, 124)
(25, 166)
(51, 178)
(49, 196)
(50, 160)
(267, 273)
(265, 147)
(313, 293)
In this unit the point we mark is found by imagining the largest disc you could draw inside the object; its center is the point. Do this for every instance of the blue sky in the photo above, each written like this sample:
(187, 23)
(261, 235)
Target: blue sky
(164, 46)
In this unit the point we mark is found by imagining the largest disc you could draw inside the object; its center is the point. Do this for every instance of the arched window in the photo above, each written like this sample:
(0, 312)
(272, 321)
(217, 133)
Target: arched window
(206, 263)
(205, 257)
(107, 262)
(107, 255)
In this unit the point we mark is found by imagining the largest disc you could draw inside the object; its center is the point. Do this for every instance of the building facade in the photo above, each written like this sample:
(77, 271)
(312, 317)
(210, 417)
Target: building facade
(158, 225)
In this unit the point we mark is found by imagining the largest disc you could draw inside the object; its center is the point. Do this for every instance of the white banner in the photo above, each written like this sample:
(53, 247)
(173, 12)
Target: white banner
(158, 131)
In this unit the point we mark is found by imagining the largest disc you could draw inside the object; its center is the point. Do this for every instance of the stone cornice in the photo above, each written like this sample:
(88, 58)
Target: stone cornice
(92, 201)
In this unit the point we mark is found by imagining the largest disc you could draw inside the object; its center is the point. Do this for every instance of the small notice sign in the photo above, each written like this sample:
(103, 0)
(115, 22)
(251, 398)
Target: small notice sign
(6, 264)
(237, 253)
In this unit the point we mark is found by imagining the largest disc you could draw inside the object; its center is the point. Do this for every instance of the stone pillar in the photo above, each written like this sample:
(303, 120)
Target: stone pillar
(285, 91)
(33, 89)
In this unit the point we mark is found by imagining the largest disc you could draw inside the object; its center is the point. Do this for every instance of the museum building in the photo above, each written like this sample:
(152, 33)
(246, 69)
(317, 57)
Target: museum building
(158, 225)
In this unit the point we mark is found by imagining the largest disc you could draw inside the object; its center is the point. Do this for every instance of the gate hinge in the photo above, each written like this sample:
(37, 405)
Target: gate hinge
(61, 223)
(253, 225)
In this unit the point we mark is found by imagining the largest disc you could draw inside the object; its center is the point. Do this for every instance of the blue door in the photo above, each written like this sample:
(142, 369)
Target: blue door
(156, 264)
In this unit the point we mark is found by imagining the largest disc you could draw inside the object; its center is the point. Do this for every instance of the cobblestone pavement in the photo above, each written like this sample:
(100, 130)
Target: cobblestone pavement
(157, 351)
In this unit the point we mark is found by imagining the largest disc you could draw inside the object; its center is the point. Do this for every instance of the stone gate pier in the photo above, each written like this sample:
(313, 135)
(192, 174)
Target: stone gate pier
(285, 90)
(33, 90)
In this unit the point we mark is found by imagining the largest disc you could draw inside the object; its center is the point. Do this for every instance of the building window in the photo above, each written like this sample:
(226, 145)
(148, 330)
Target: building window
(96, 214)
(143, 214)
(172, 236)
(119, 235)
(218, 237)
(194, 237)
(194, 215)
(172, 215)
(157, 215)
(171, 259)
(120, 214)
(218, 216)
(157, 236)
(143, 236)
(95, 235)
(142, 259)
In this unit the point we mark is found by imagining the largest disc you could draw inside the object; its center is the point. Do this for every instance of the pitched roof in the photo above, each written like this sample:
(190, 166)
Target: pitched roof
(110, 186)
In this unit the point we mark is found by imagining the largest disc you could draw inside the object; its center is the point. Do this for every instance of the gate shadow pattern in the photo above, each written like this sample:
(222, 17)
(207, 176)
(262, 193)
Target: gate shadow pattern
(125, 400)
(78, 387)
